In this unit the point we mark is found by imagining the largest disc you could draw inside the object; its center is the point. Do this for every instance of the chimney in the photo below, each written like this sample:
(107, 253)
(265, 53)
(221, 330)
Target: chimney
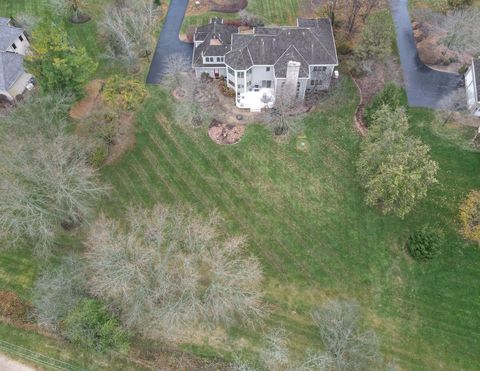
(293, 71)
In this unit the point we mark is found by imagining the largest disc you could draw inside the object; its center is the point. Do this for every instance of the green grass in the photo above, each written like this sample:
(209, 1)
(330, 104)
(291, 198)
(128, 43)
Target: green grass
(280, 12)
(305, 218)
(304, 215)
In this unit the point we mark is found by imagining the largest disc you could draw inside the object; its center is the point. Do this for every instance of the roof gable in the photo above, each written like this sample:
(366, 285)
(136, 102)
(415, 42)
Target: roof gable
(8, 34)
(11, 68)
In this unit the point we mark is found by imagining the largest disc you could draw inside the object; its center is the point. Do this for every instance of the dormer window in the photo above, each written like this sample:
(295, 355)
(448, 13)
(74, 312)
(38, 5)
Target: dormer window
(14, 46)
(21, 38)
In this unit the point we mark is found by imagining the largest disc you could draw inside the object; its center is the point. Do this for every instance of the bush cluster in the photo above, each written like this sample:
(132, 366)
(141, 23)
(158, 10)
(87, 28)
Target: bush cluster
(123, 93)
(424, 243)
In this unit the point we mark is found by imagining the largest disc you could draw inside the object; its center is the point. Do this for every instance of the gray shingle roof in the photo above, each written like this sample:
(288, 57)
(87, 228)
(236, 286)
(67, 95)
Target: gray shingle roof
(11, 68)
(217, 31)
(291, 54)
(476, 67)
(310, 43)
(8, 35)
(313, 45)
(4, 21)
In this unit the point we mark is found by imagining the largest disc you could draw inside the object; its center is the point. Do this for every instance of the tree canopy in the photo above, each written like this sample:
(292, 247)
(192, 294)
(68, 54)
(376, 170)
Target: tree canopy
(394, 167)
(58, 65)
(376, 39)
(170, 273)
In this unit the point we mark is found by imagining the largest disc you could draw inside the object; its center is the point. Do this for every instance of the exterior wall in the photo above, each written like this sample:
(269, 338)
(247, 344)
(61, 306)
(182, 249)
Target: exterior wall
(22, 46)
(211, 71)
(320, 80)
(472, 103)
(260, 74)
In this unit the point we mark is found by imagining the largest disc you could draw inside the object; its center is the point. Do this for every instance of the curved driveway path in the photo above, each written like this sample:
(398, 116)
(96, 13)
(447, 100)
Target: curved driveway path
(425, 87)
(169, 42)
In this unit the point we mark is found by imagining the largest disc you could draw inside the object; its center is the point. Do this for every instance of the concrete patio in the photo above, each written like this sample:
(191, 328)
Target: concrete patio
(256, 99)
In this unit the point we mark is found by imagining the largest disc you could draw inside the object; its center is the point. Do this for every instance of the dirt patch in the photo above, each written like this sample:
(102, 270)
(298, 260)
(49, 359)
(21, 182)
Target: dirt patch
(11, 306)
(179, 93)
(82, 109)
(225, 133)
(124, 139)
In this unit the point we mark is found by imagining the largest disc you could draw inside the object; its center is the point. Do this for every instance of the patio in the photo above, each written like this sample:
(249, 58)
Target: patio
(256, 99)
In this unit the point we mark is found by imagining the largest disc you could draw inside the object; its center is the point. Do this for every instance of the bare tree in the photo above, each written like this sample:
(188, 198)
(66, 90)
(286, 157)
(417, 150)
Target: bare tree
(57, 291)
(282, 116)
(44, 180)
(171, 274)
(128, 28)
(348, 346)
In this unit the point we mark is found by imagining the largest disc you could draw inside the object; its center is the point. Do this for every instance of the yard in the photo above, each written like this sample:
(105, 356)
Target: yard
(304, 215)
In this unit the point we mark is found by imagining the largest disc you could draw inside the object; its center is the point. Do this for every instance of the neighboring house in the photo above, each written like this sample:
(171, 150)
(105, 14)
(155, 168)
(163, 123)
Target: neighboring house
(262, 63)
(13, 46)
(472, 84)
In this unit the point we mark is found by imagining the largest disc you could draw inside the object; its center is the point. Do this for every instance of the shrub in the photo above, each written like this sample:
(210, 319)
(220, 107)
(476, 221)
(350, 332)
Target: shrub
(424, 243)
(391, 95)
(124, 94)
(377, 35)
(470, 216)
(91, 326)
(97, 155)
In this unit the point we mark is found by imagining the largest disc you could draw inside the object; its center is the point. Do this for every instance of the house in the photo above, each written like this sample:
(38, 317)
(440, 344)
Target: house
(472, 84)
(266, 62)
(13, 47)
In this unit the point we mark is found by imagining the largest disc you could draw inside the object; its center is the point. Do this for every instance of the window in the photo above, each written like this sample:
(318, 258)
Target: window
(267, 69)
(230, 82)
(219, 59)
(249, 83)
(249, 72)
(230, 71)
(266, 83)
(312, 82)
(21, 38)
(14, 46)
(240, 86)
(320, 68)
(241, 74)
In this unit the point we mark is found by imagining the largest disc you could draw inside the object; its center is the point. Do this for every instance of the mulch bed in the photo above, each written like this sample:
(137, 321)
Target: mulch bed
(225, 133)
(82, 109)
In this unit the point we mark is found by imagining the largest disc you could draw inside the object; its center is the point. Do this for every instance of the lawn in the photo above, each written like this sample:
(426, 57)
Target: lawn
(271, 12)
(304, 216)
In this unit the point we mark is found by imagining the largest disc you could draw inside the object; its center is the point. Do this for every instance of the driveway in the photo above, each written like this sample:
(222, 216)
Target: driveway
(425, 87)
(169, 42)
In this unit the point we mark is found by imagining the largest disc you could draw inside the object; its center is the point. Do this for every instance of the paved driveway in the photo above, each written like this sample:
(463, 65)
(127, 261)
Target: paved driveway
(425, 87)
(169, 42)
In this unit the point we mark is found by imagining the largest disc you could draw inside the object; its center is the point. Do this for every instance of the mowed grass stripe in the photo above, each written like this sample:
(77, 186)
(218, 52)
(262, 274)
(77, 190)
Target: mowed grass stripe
(264, 222)
(232, 210)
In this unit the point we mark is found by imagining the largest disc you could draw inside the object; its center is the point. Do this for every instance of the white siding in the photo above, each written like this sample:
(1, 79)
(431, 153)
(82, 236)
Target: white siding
(21, 46)
(470, 87)
(211, 71)
(260, 73)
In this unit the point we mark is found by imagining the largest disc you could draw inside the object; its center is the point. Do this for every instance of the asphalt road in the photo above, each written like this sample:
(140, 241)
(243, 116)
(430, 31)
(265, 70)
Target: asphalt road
(169, 42)
(425, 87)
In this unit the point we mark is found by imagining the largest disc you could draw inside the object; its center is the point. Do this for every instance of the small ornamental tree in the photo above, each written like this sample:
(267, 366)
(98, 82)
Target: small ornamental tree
(470, 216)
(58, 65)
(391, 95)
(124, 94)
